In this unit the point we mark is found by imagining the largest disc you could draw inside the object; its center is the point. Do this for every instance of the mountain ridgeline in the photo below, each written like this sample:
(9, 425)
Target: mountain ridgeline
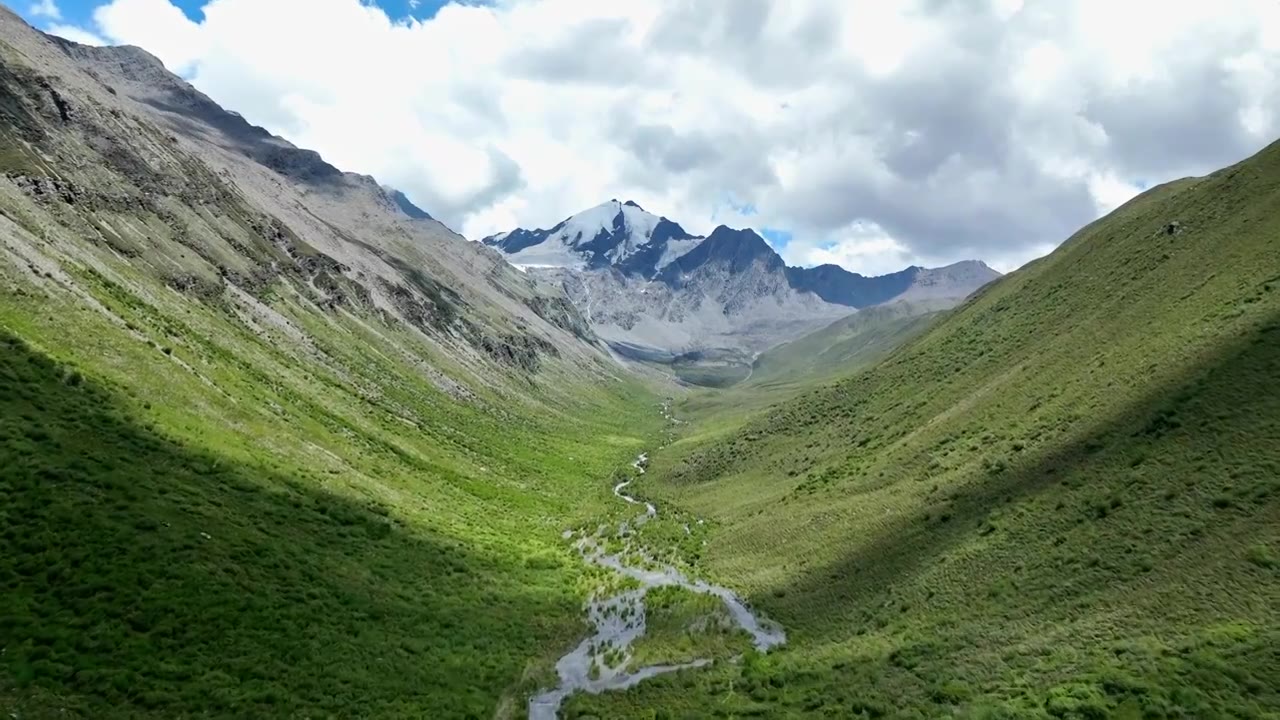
(651, 289)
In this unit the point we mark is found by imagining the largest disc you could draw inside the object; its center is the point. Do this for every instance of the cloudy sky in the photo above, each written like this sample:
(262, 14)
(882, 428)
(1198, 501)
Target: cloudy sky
(873, 134)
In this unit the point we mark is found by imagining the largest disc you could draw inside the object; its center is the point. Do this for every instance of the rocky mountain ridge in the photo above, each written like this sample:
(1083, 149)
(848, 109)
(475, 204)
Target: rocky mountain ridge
(649, 287)
(107, 149)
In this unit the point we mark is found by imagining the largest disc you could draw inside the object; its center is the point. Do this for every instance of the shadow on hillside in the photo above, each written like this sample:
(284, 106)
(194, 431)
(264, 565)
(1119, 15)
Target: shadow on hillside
(1216, 408)
(139, 576)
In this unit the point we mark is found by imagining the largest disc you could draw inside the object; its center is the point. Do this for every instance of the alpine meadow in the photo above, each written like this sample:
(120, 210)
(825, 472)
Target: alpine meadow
(276, 441)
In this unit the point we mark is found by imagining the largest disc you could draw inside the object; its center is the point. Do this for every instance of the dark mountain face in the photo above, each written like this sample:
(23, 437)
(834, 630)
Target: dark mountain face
(605, 240)
(645, 261)
(406, 205)
(516, 240)
(837, 285)
(732, 250)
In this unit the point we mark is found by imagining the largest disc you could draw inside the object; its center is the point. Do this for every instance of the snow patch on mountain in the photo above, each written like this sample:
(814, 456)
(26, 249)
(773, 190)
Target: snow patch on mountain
(676, 249)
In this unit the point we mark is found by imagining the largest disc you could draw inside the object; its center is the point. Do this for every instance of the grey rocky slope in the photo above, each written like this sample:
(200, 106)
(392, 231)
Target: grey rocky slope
(125, 155)
(653, 290)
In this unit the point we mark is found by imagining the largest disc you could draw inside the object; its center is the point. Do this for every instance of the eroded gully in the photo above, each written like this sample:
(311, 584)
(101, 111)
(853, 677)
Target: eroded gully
(619, 619)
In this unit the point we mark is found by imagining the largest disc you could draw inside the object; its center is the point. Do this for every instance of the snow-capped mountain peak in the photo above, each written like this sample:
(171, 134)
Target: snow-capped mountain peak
(618, 234)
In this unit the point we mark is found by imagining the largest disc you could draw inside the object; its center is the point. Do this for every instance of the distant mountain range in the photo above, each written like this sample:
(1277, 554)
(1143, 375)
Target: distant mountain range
(649, 287)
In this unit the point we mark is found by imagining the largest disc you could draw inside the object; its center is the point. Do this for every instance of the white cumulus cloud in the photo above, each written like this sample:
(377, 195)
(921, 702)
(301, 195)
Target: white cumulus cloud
(879, 133)
(45, 9)
(76, 34)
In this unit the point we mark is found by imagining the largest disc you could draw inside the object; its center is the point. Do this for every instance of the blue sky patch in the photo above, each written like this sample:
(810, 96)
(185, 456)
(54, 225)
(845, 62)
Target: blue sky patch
(80, 12)
(777, 238)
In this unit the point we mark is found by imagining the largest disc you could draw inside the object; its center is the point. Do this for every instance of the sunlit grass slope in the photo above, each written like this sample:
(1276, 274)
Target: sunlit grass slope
(202, 520)
(845, 344)
(1063, 500)
(820, 358)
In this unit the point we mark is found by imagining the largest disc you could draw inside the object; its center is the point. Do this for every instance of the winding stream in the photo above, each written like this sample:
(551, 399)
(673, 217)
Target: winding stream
(619, 619)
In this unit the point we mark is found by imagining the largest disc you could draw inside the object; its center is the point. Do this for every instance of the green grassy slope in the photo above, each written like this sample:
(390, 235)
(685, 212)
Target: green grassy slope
(843, 346)
(241, 478)
(1062, 501)
(199, 521)
(824, 356)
